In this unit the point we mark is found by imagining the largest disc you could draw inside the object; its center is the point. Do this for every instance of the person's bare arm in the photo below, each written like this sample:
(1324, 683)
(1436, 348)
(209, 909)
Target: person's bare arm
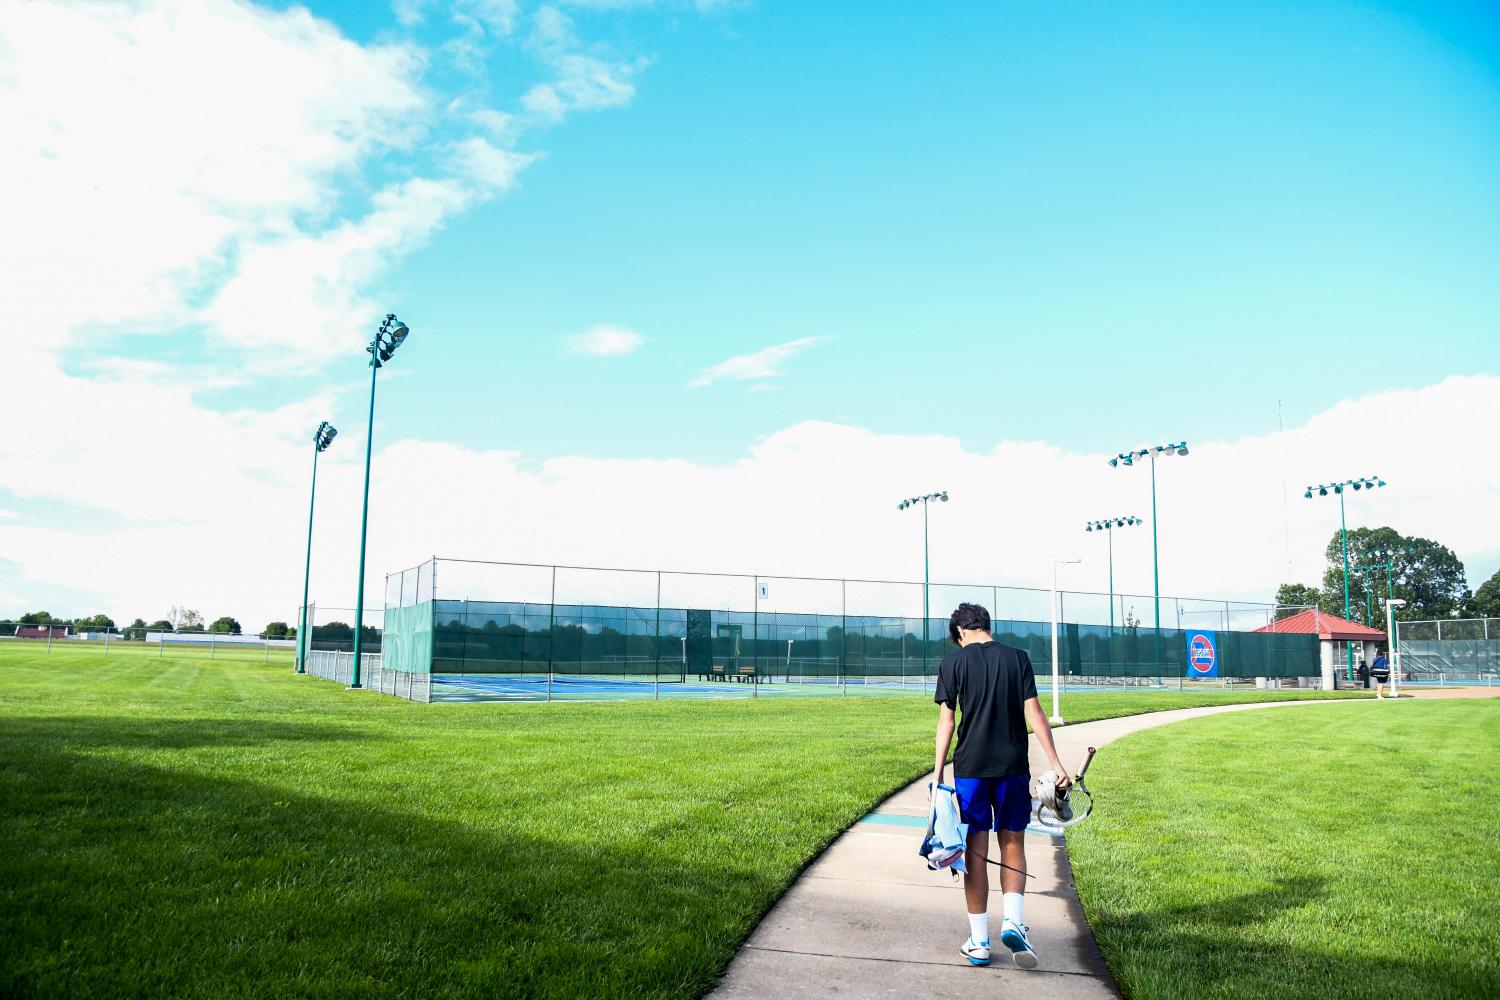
(1043, 730)
(944, 738)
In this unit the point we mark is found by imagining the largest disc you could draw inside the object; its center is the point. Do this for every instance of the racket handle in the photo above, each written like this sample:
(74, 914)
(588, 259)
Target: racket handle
(1086, 762)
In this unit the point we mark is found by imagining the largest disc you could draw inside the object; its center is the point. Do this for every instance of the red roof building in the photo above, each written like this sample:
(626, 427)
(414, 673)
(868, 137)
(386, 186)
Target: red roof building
(1325, 626)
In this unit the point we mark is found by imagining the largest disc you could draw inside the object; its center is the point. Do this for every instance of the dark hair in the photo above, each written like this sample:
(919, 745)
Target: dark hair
(969, 616)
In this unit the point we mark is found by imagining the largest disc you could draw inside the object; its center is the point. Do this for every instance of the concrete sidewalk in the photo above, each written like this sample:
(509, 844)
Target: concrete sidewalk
(868, 920)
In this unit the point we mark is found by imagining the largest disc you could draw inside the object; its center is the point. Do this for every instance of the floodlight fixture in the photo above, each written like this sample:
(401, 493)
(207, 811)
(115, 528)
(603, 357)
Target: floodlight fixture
(1108, 525)
(391, 335)
(1362, 482)
(322, 438)
(1127, 458)
(924, 500)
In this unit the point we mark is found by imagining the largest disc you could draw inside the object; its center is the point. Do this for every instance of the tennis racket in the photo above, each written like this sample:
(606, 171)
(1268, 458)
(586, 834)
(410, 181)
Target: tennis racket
(1073, 804)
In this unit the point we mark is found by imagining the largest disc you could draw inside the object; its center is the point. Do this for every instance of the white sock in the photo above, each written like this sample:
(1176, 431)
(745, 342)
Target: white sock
(1013, 902)
(979, 927)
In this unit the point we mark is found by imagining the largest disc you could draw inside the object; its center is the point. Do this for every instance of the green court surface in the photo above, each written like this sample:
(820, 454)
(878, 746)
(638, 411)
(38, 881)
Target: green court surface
(1344, 851)
(210, 829)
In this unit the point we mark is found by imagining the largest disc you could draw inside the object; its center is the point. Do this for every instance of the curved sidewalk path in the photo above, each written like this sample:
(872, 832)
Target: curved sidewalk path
(867, 919)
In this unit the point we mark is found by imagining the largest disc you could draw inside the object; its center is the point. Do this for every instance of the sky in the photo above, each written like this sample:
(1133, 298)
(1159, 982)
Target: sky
(714, 285)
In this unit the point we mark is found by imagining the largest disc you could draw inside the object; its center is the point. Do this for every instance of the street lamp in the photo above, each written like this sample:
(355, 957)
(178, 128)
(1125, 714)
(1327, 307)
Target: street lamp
(390, 336)
(1109, 524)
(1365, 483)
(1391, 604)
(926, 564)
(1057, 718)
(322, 438)
(1127, 458)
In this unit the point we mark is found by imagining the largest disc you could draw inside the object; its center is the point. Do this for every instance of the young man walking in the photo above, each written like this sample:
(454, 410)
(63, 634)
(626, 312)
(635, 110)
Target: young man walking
(1381, 671)
(993, 690)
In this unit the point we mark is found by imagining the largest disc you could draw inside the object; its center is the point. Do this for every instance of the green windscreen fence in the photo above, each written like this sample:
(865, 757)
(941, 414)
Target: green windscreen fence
(408, 639)
(511, 637)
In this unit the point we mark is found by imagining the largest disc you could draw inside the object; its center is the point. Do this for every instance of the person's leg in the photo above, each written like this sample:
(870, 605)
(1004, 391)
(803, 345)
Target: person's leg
(976, 806)
(1011, 817)
(977, 877)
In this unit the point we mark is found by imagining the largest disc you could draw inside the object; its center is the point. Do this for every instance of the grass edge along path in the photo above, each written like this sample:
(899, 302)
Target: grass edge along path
(1299, 854)
(209, 829)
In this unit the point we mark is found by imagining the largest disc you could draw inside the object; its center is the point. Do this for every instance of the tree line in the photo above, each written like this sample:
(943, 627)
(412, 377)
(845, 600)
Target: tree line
(1427, 575)
(185, 620)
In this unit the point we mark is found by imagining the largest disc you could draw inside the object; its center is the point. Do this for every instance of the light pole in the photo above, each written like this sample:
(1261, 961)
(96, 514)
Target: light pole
(1057, 718)
(322, 438)
(1390, 583)
(1366, 483)
(1127, 458)
(1391, 604)
(390, 336)
(926, 563)
(1109, 524)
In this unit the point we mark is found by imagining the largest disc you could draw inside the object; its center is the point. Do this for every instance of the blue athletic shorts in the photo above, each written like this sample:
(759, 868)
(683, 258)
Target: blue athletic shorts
(994, 803)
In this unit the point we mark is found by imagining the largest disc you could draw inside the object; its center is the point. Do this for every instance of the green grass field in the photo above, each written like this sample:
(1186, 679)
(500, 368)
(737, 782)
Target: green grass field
(187, 828)
(1330, 852)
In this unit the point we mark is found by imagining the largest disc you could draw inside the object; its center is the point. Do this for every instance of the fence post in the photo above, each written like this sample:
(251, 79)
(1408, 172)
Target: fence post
(106, 642)
(755, 638)
(844, 641)
(656, 644)
(551, 631)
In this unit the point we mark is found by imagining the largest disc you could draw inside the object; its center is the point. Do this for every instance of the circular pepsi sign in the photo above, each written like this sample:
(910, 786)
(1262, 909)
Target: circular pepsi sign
(1201, 653)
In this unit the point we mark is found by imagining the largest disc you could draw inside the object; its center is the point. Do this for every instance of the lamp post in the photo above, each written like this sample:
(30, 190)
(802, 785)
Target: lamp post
(1127, 458)
(1391, 604)
(322, 438)
(1390, 583)
(926, 563)
(1366, 483)
(390, 336)
(1057, 718)
(1109, 524)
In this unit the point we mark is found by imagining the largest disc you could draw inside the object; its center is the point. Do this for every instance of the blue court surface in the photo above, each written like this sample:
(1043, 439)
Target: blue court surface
(600, 687)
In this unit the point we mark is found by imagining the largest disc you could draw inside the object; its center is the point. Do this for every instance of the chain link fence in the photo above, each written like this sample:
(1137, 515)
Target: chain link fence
(148, 642)
(1449, 651)
(331, 665)
(489, 631)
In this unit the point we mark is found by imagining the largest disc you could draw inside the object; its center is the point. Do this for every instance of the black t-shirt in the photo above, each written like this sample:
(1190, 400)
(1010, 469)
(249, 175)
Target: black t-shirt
(988, 683)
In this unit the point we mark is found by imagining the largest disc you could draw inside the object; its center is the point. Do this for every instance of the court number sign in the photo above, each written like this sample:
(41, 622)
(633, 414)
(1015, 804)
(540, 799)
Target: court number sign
(1203, 654)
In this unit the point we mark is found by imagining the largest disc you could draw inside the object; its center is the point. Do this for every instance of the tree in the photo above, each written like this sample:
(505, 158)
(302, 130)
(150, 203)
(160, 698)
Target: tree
(137, 629)
(275, 630)
(37, 618)
(1295, 598)
(1486, 603)
(225, 626)
(187, 620)
(160, 625)
(95, 623)
(333, 632)
(1428, 576)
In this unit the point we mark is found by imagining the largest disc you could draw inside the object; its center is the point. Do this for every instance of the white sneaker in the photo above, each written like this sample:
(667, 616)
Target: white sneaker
(977, 952)
(1013, 936)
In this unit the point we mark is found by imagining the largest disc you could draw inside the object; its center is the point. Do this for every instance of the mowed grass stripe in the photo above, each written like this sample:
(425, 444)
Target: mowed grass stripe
(1327, 852)
(198, 828)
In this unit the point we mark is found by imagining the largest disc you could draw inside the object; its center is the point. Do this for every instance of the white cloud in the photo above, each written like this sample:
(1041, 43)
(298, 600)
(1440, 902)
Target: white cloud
(8, 514)
(768, 362)
(583, 82)
(604, 341)
(163, 137)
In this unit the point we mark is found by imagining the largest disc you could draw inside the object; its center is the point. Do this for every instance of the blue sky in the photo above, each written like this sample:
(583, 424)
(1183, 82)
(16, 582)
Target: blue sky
(1142, 217)
(848, 250)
